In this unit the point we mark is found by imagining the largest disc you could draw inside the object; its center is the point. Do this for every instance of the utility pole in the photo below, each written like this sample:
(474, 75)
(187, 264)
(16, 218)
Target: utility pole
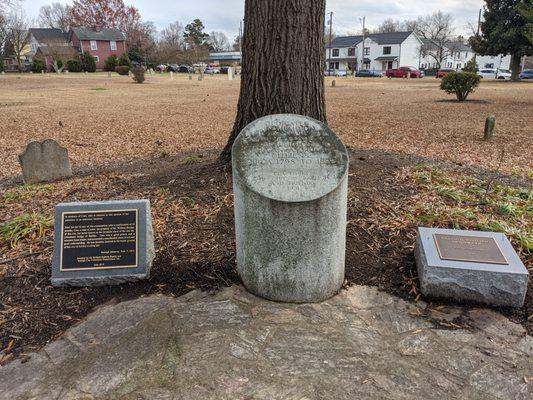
(330, 41)
(477, 33)
(363, 53)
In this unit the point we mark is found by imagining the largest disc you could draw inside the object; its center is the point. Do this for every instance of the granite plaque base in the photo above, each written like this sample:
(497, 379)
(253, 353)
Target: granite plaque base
(102, 243)
(470, 266)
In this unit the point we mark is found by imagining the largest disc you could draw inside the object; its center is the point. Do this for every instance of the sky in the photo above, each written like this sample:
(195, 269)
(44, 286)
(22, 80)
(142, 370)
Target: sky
(224, 15)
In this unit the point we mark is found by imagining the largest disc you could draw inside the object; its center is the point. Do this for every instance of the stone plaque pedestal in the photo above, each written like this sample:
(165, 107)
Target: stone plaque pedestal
(290, 179)
(470, 266)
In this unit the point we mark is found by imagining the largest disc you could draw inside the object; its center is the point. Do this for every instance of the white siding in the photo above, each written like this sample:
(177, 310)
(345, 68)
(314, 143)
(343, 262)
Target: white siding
(410, 52)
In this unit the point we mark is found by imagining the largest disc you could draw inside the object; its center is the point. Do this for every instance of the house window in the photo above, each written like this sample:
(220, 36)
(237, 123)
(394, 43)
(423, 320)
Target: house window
(94, 46)
(96, 58)
(458, 65)
(387, 50)
(335, 52)
(351, 52)
(113, 45)
(334, 65)
(366, 51)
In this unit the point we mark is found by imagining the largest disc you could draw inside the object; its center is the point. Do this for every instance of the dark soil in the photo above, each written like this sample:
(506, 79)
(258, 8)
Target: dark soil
(197, 252)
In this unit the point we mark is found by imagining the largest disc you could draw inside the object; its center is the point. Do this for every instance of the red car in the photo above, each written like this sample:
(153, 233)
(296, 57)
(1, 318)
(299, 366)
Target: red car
(441, 73)
(404, 72)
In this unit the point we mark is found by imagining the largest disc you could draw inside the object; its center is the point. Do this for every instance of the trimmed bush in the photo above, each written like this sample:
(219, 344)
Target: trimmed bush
(38, 66)
(74, 66)
(122, 70)
(88, 62)
(111, 63)
(124, 60)
(138, 75)
(460, 83)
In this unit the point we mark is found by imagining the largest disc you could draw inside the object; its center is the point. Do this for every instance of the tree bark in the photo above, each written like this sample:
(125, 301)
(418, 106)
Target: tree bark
(283, 61)
(515, 67)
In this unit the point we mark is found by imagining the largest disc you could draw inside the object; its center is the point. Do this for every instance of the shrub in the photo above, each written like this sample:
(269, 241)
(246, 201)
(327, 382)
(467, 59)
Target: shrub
(470, 66)
(124, 60)
(122, 70)
(138, 75)
(88, 62)
(1, 65)
(38, 66)
(460, 83)
(74, 66)
(111, 63)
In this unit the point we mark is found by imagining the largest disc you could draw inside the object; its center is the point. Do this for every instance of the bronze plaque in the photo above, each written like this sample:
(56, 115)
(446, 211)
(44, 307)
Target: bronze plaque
(476, 249)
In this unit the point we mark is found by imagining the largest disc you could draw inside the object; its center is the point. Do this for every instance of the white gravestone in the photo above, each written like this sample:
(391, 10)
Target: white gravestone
(290, 180)
(230, 74)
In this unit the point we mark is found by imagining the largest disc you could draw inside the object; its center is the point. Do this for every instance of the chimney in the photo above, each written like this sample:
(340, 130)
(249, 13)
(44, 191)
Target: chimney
(97, 28)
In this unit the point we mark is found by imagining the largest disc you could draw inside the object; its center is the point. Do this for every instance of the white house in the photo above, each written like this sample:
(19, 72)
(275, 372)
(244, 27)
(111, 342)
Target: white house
(376, 51)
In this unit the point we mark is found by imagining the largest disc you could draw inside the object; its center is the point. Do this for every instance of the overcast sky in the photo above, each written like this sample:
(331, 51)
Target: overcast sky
(224, 15)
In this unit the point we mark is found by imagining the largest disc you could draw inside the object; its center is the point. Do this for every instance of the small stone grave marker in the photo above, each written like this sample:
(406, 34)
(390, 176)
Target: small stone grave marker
(171, 75)
(290, 177)
(102, 243)
(45, 161)
(470, 266)
(230, 74)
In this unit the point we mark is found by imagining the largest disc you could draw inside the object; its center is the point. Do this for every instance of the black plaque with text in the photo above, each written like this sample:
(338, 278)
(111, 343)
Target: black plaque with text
(99, 240)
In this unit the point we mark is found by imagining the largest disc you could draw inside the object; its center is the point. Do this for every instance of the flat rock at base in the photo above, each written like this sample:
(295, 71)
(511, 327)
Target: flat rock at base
(470, 266)
(45, 161)
(361, 343)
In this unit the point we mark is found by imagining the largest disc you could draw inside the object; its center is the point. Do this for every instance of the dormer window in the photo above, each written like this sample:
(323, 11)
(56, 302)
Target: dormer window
(113, 45)
(94, 46)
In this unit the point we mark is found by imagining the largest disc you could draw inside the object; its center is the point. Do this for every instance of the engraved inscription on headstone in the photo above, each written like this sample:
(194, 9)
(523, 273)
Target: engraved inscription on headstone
(102, 243)
(99, 239)
(476, 249)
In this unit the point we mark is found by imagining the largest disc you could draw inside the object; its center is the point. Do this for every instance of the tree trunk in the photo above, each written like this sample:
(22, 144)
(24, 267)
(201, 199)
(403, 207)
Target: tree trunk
(515, 67)
(283, 61)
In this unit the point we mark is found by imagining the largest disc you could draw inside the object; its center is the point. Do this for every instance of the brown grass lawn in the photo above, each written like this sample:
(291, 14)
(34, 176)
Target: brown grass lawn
(112, 120)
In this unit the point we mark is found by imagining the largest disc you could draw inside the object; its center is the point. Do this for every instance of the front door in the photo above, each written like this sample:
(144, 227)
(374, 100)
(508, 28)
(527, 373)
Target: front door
(389, 65)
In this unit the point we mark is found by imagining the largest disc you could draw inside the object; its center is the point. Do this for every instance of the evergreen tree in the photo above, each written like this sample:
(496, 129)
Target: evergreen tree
(195, 33)
(504, 30)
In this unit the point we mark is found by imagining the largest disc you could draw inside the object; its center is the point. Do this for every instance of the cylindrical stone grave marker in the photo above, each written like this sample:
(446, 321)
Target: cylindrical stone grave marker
(290, 180)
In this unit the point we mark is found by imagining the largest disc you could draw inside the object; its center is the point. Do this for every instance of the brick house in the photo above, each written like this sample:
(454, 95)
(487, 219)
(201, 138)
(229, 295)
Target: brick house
(99, 42)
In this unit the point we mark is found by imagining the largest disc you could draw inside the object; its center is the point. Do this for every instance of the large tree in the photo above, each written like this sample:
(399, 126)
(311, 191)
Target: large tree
(218, 41)
(283, 62)
(16, 35)
(55, 15)
(438, 32)
(505, 30)
(194, 33)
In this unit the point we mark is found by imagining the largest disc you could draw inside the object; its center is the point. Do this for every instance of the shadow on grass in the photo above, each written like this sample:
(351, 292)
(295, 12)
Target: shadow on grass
(475, 101)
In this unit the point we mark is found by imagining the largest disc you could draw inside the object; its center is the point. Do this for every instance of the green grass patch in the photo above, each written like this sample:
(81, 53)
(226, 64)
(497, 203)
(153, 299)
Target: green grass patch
(25, 226)
(191, 159)
(461, 202)
(98, 89)
(23, 193)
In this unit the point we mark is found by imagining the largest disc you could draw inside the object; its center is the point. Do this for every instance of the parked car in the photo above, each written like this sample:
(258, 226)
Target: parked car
(404, 72)
(335, 72)
(173, 68)
(161, 68)
(211, 71)
(441, 73)
(493, 73)
(366, 73)
(526, 74)
(186, 69)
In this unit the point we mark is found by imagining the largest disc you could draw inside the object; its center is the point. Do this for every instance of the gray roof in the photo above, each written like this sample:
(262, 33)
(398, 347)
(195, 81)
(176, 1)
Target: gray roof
(379, 38)
(101, 34)
(46, 35)
(453, 46)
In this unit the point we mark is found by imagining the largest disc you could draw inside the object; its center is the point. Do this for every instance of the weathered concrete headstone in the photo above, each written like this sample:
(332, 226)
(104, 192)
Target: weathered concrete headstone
(200, 77)
(109, 74)
(171, 75)
(470, 266)
(490, 123)
(45, 161)
(190, 77)
(230, 74)
(333, 83)
(290, 177)
(102, 243)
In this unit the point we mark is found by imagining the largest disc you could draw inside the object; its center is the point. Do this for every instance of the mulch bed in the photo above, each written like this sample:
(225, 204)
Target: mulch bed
(192, 209)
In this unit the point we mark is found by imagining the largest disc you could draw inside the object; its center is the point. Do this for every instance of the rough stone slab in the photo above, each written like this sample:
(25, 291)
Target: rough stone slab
(361, 343)
(499, 285)
(115, 276)
(45, 161)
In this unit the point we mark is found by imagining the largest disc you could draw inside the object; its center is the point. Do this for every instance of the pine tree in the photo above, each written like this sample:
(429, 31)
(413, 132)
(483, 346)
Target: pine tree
(504, 30)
